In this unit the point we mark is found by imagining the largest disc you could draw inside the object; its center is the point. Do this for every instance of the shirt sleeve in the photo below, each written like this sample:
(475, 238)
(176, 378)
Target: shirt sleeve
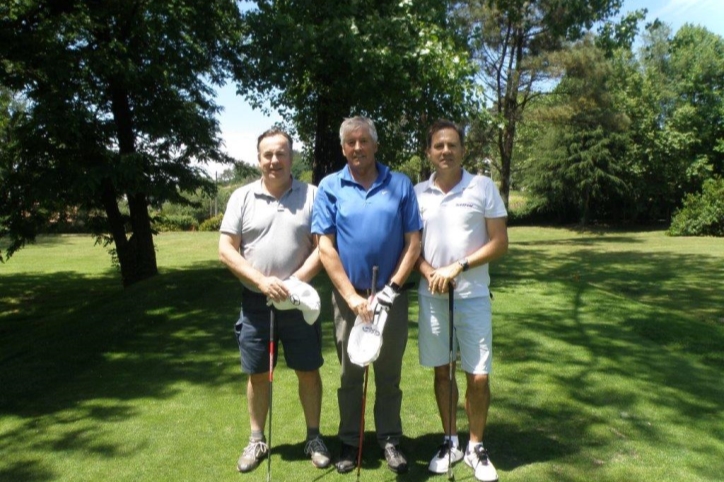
(410, 211)
(324, 212)
(231, 222)
(494, 205)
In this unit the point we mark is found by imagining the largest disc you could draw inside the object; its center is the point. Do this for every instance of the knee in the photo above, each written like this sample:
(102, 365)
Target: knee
(308, 377)
(442, 374)
(479, 382)
(257, 379)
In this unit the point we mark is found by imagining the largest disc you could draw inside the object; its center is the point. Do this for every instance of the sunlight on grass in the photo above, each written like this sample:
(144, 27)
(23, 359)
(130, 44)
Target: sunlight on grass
(609, 349)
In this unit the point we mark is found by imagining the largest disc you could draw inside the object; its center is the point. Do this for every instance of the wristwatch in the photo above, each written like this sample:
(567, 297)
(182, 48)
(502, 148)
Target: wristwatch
(464, 263)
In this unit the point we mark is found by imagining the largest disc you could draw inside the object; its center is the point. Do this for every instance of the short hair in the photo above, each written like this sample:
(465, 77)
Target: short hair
(441, 124)
(275, 131)
(351, 124)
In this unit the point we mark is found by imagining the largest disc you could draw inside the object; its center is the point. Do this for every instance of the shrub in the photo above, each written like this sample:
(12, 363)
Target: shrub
(702, 214)
(212, 224)
(176, 222)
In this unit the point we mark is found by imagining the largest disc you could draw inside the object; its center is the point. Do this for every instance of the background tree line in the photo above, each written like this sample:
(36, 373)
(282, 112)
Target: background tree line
(107, 108)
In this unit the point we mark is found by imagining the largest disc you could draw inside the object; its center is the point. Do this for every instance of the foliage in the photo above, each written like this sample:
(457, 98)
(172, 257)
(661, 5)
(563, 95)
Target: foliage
(702, 214)
(175, 222)
(212, 224)
(401, 63)
(514, 45)
(120, 105)
(580, 175)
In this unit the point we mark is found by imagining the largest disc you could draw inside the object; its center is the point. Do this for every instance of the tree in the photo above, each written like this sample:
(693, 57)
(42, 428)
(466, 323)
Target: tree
(514, 43)
(120, 105)
(697, 119)
(673, 92)
(580, 170)
(318, 61)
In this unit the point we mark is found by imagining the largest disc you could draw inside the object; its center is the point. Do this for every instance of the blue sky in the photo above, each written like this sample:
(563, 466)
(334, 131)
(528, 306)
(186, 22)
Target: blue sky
(240, 124)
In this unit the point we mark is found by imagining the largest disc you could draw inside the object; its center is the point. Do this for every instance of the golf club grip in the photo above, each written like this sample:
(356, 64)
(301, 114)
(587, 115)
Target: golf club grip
(375, 274)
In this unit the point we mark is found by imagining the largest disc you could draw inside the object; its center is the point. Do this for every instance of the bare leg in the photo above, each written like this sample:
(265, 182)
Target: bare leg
(257, 395)
(310, 394)
(442, 396)
(477, 402)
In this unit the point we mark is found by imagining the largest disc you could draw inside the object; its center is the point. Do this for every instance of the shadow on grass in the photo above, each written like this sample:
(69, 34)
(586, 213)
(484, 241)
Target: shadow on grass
(75, 349)
(609, 331)
(85, 360)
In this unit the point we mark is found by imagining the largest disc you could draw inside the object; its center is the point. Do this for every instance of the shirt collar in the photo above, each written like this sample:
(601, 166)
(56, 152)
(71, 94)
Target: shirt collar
(382, 173)
(258, 188)
(459, 187)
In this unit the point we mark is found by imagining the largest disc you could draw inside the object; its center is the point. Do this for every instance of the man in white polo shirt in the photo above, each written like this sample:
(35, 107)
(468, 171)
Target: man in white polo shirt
(464, 229)
(265, 240)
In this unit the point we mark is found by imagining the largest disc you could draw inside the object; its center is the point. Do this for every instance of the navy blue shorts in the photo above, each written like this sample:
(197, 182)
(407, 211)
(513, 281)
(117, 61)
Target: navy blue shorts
(302, 343)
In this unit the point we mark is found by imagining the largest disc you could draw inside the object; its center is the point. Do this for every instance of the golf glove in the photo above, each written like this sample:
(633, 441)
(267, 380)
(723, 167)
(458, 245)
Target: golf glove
(386, 297)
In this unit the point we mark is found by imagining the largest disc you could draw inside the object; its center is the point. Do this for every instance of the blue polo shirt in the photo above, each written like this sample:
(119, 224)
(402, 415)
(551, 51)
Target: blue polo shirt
(370, 226)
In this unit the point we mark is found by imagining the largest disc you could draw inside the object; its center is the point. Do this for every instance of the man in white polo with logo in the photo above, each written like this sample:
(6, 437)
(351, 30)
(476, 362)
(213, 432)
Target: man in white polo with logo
(266, 242)
(464, 229)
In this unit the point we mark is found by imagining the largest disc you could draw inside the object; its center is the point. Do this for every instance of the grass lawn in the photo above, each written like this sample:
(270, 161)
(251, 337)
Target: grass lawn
(609, 353)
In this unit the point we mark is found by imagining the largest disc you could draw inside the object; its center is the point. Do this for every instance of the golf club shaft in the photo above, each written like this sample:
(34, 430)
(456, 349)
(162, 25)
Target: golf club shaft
(451, 361)
(373, 291)
(271, 389)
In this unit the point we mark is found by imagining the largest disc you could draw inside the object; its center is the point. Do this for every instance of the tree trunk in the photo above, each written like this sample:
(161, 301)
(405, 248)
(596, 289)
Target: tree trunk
(328, 157)
(137, 254)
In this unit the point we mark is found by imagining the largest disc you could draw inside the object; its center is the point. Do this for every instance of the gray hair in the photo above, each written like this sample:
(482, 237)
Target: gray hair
(351, 124)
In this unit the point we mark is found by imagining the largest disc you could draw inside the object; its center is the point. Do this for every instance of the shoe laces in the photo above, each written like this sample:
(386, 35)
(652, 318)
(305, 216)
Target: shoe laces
(392, 452)
(315, 445)
(481, 454)
(444, 448)
(256, 448)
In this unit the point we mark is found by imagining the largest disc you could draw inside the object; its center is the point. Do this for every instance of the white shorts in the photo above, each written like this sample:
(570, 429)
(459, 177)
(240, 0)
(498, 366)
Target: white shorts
(473, 333)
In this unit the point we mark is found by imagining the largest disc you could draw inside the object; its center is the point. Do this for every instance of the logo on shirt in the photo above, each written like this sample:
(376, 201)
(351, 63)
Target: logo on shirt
(464, 205)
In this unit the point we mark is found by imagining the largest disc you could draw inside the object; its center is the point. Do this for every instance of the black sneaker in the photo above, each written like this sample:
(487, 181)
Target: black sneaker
(347, 459)
(396, 460)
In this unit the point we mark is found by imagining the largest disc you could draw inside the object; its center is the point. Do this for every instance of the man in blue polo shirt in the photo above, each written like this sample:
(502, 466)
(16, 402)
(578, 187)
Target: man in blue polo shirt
(367, 216)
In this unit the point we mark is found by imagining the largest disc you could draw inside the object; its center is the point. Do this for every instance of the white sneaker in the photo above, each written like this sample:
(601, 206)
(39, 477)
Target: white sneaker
(444, 456)
(481, 464)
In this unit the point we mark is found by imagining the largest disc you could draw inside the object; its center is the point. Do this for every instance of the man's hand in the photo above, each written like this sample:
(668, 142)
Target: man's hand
(360, 306)
(439, 279)
(273, 288)
(387, 297)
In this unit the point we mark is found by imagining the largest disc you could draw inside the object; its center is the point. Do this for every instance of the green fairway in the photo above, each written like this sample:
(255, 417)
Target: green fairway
(609, 354)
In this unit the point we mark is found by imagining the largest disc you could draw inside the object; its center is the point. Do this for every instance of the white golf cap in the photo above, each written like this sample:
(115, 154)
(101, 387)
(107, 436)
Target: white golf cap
(365, 339)
(302, 296)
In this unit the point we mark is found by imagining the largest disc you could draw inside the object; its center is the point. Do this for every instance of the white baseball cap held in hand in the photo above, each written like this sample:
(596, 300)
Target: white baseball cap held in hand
(302, 296)
(365, 339)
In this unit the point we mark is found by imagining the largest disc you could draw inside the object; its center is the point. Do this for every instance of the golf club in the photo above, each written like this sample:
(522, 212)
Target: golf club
(271, 387)
(451, 360)
(373, 289)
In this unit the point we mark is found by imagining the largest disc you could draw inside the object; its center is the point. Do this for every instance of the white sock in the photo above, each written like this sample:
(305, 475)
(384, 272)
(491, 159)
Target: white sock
(471, 445)
(454, 439)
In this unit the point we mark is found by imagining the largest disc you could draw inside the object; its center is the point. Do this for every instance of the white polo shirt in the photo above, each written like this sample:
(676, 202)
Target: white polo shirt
(454, 227)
